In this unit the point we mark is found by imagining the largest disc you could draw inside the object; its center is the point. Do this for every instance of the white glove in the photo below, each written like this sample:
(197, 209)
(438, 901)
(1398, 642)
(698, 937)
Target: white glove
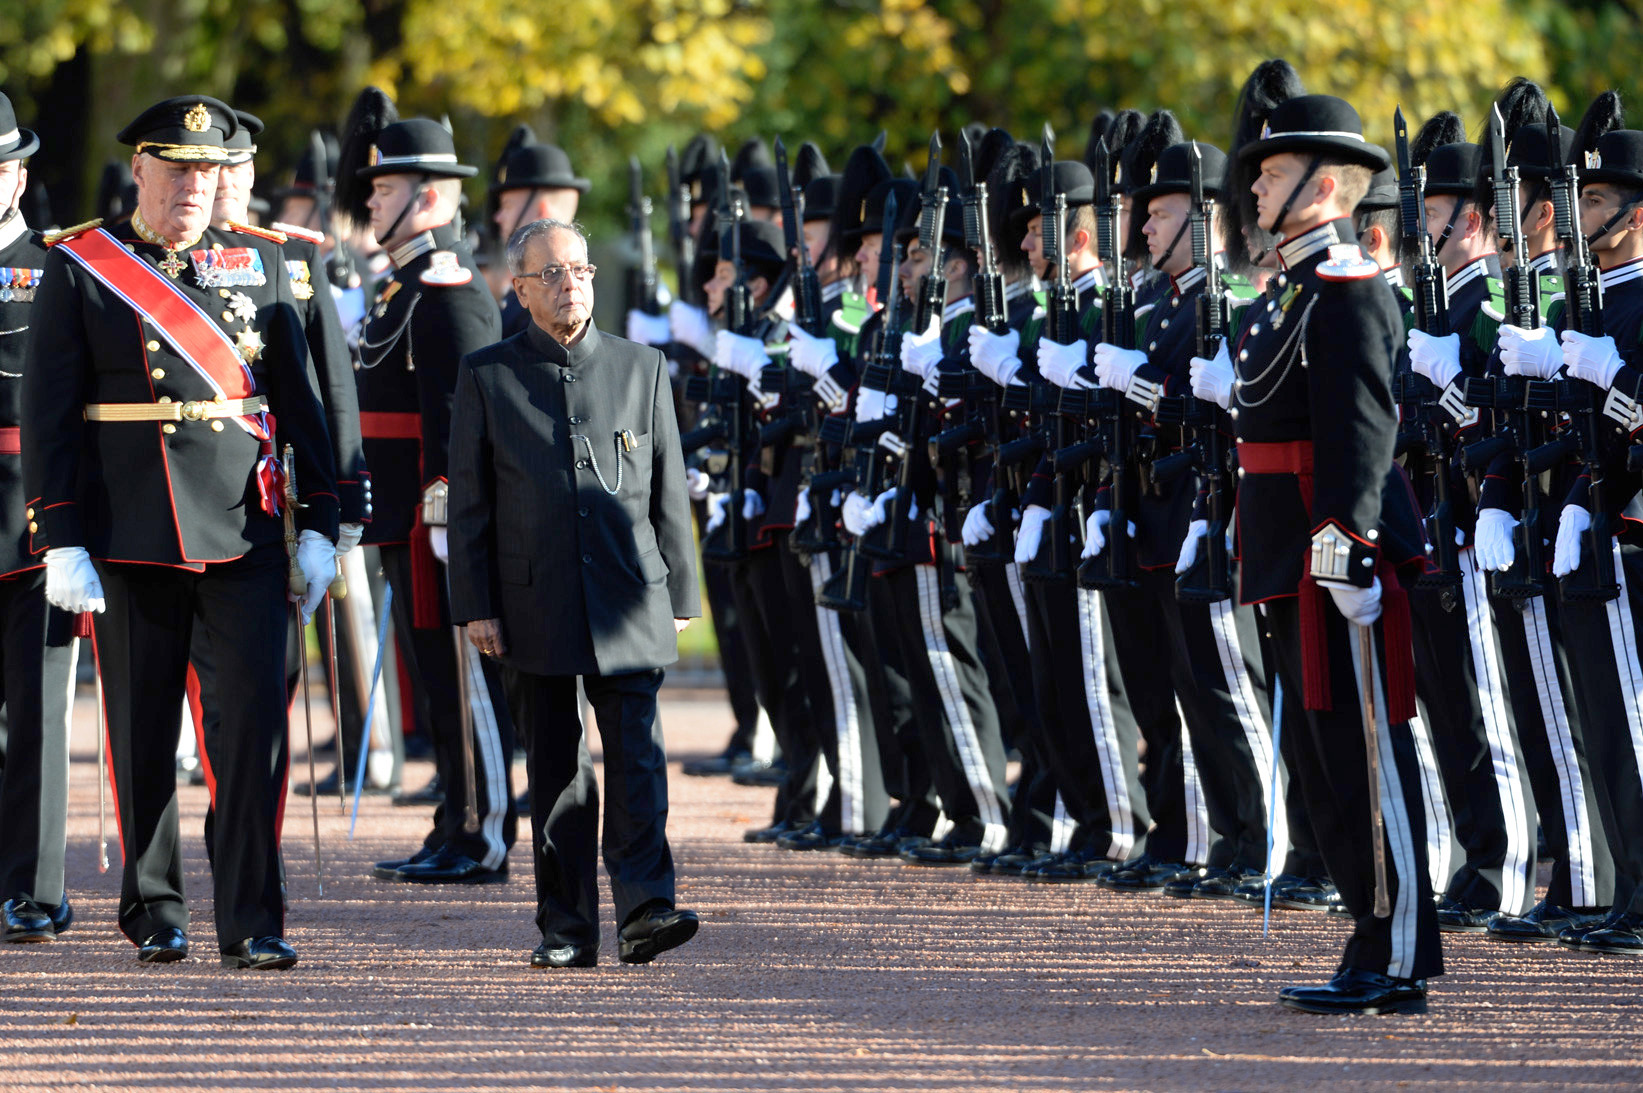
(348, 537)
(1212, 379)
(1533, 353)
(801, 508)
(716, 512)
(741, 355)
(977, 528)
(873, 405)
(921, 353)
(648, 329)
(1438, 359)
(689, 326)
(1095, 532)
(1115, 367)
(1571, 525)
(995, 355)
(881, 507)
(71, 581)
(809, 354)
(1361, 606)
(439, 543)
(752, 505)
(696, 483)
(1594, 360)
(1493, 540)
(1196, 532)
(857, 514)
(1031, 534)
(1060, 363)
(317, 557)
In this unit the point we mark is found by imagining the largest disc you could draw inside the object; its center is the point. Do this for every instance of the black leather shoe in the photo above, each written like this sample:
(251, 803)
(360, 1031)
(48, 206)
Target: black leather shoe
(62, 916)
(814, 837)
(1222, 883)
(650, 933)
(1181, 885)
(1542, 924)
(1357, 991)
(1143, 874)
(768, 834)
(945, 853)
(1455, 917)
(718, 766)
(883, 844)
(547, 955)
(1017, 863)
(259, 954)
(1073, 867)
(389, 870)
(1252, 889)
(163, 946)
(1620, 935)
(760, 775)
(448, 866)
(1575, 933)
(1309, 894)
(431, 794)
(25, 921)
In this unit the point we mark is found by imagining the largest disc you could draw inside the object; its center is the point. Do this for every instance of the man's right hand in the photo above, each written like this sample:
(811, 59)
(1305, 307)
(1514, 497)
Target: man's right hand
(71, 581)
(486, 635)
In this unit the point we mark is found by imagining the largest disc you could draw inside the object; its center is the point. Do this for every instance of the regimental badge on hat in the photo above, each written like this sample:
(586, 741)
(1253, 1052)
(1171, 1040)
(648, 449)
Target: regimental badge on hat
(228, 267)
(445, 269)
(188, 129)
(302, 283)
(197, 119)
(17, 284)
(1594, 160)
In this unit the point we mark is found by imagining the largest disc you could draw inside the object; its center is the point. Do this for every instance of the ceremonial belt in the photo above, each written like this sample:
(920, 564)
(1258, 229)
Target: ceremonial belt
(390, 424)
(11, 440)
(172, 411)
(1283, 457)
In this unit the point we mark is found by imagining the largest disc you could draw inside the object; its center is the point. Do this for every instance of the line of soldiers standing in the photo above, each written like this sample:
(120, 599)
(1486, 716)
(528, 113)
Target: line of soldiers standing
(967, 483)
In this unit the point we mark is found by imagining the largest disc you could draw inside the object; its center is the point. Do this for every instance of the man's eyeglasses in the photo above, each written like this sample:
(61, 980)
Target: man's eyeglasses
(555, 275)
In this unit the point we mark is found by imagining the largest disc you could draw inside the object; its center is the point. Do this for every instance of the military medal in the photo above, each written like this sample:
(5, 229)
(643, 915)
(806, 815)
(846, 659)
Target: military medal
(18, 284)
(242, 307)
(302, 286)
(171, 265)
(228, 267)
(249, 343)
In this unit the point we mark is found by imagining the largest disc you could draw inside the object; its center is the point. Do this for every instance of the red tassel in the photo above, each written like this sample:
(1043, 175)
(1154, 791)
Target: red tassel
(424, 579)
(1397, 630)
(270, 484)
(1314, 647)
(82, 625)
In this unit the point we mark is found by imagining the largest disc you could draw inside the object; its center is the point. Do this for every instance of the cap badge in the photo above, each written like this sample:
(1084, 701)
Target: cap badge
(197, 119)
(1266, 131)
(374, 158)
(1594, 160)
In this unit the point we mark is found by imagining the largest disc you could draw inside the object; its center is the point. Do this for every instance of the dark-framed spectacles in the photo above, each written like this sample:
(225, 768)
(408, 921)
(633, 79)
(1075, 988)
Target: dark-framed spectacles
(553, 276)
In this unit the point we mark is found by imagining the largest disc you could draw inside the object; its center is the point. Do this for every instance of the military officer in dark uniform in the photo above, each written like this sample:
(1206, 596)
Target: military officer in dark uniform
(533, 182)
(402, 178)
(148, 413)
(37, 646)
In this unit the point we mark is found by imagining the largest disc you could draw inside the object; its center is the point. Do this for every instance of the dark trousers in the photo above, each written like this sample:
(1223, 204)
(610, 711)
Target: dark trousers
(565, 798)
(142, 645)
(1332, 766)
(896, 720)
(733, 654)
(37, 662)
(431, 661)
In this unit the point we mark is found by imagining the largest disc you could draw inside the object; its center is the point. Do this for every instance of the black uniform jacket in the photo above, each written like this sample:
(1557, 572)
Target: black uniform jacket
(22, 261)
(569, 516)
(184, 493)
(433, 310)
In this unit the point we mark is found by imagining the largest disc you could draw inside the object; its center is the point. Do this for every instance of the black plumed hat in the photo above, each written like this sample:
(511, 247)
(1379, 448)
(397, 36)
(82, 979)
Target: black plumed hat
(1136, 165)
(372, 111)
(1273, 83)
(1441, 128)
(809, 164)
(864, 170)
(753, 153)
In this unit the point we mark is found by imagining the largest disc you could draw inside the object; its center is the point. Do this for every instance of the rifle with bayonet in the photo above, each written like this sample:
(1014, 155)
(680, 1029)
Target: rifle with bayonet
(1427, 437)
(1513, 398)
(642, 277)
(678, 231)
(729, 405)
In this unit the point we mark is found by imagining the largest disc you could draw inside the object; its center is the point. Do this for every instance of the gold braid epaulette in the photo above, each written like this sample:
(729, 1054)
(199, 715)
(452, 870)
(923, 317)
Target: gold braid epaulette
(295, 232)
(266, 233)
(51, 239)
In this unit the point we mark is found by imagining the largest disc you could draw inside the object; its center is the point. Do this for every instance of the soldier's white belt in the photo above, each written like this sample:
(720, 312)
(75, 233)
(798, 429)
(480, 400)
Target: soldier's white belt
(166, 410)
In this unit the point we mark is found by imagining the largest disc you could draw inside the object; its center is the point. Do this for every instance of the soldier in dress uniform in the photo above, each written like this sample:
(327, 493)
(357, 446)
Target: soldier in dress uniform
(533, 182)
(156, 489)
(403, 179)
(38, 653)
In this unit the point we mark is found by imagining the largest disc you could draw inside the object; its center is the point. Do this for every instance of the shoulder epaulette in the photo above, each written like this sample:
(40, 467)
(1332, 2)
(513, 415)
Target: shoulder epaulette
(1488, 308)
(263, 233)
(1347, 262)
(445, 269)
(306, 234)
(51, 239)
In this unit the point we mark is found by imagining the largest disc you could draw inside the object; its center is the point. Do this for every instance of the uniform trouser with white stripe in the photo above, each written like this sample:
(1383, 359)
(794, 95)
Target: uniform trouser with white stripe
(766, 617)
(1459, 669)
(565, 798)
(835, 647)
(1554, 749)
(431, 660)
(896, 720)
(1332, 767)
(1607, 663)
(1039, 820)
(142, 645)
(962, 744)
(1090, 735)
(37, 661)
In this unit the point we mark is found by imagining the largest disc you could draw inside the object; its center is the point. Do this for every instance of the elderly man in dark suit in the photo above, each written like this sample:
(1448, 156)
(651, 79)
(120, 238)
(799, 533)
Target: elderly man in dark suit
(571, 555)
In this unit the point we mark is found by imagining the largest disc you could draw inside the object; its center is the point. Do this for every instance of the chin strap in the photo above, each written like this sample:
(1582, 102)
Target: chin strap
(1283, 213)
(1163, 259)
(416, 188)
(1621, 213)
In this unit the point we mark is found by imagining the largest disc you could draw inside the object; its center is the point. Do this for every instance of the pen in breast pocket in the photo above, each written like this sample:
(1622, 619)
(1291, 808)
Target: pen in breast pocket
(625, 438)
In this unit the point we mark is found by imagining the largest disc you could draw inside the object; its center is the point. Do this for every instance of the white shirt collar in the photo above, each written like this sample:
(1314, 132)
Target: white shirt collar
(12, 230)
(1188, 280)
(1016, 289)
(955, 308)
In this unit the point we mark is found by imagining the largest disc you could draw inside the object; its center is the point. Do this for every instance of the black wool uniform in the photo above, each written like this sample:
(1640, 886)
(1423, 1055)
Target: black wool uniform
(1316, 425)
(38, 650)
(172, 512)
(426, 317)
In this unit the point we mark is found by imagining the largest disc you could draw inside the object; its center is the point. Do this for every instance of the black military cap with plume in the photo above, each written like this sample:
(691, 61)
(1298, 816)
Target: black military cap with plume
(1441, 128)
(372, 112)
(752, 154)
(1604, 116)
(1137, 163)
(993, 146)
(809, 164)
(1520, 103)
(864, 170)
(1125, 127)
(1007, 192)
(1272, 83)
(1098, 134)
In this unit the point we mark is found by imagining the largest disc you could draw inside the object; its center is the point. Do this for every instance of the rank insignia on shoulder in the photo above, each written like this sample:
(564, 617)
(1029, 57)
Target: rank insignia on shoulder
(445, 269)
(302, 286)
(228, 267)
(51, 239)
(17, 284)
(1347, 262)
(251, 229)
(292, 231)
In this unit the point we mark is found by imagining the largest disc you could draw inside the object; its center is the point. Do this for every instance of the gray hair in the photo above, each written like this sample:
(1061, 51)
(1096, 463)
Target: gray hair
(522, 236)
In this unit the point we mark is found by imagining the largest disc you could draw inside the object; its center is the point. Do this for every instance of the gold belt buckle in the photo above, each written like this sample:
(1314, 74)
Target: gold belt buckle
(194, 411)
